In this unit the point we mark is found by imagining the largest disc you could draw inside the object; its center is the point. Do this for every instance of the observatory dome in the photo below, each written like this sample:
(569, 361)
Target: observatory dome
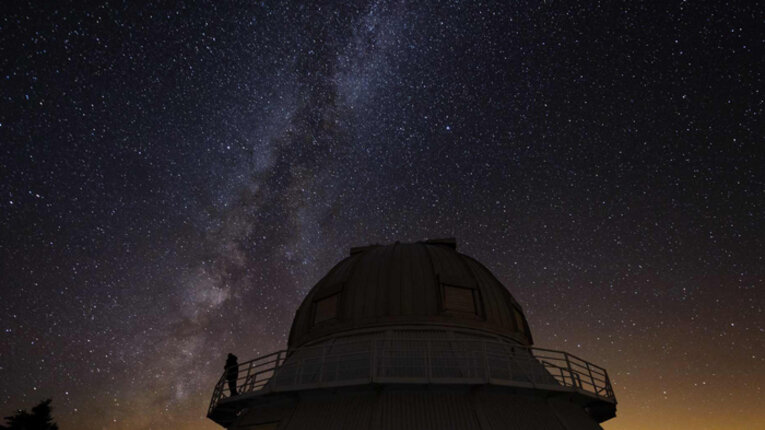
(413, 336)
(426, 284)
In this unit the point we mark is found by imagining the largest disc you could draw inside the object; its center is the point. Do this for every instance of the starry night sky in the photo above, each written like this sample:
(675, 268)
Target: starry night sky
(173, 180)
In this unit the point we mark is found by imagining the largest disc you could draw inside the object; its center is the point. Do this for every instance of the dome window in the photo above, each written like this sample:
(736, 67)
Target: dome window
(325, 306)
(459, 299)
(521, 327)
(325, 309)
(459, 296)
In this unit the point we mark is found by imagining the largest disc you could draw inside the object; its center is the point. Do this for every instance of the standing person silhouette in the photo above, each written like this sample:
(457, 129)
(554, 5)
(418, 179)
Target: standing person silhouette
(232, 373)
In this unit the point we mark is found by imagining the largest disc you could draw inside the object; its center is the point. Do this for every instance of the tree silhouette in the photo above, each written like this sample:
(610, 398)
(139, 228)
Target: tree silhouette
(39, 419)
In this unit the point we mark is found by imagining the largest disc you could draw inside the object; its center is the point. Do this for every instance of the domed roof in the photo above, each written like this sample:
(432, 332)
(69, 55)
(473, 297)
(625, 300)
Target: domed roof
(423, 283)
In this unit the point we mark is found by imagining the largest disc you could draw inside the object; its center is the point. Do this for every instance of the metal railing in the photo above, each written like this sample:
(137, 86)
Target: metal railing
(416, 361)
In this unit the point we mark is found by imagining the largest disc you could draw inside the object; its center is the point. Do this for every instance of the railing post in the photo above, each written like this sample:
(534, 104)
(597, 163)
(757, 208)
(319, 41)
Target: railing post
(592, 380)
(609, 389)
(218, 392)
(247, 381)
(570, 371)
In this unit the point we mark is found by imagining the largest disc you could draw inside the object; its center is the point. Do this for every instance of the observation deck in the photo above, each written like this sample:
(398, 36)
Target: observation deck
(426, 361)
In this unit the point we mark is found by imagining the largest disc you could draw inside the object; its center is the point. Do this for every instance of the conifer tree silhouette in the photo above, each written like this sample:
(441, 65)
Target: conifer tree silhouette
(39, 419)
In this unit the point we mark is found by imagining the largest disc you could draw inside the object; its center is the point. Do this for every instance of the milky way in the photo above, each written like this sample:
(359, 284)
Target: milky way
(173, 181)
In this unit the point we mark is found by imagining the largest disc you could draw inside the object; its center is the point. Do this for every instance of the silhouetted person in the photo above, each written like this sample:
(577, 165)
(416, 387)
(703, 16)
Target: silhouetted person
(232, 372)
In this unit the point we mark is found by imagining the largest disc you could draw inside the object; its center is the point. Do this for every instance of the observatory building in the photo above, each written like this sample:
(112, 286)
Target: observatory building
(412, 336)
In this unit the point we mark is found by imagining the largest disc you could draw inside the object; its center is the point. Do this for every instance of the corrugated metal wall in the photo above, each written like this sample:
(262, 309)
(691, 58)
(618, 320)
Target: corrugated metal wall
(422, 410)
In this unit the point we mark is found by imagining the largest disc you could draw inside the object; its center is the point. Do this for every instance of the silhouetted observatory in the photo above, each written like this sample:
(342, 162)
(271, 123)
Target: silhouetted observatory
(413, 336)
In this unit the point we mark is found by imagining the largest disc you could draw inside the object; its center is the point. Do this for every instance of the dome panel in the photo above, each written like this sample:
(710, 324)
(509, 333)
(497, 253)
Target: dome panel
(423, 283)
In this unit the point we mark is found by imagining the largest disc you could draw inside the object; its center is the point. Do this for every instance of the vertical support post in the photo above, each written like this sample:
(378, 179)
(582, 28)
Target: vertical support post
(373, 360)
(609, 390)
(592, 380)
(321, 363)
(247, 381)
(298, 371)
(570, 371)
(427, 360)
(486, 369)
